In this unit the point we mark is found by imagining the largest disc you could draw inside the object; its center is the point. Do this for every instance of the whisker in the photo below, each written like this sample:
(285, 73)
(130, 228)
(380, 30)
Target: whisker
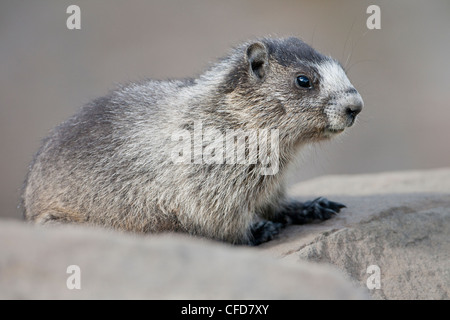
(346, 40)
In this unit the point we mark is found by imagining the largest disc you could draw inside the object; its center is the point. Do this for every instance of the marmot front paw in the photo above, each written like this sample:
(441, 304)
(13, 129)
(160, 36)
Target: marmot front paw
(300, 213)
(321, 208)
(264, 231)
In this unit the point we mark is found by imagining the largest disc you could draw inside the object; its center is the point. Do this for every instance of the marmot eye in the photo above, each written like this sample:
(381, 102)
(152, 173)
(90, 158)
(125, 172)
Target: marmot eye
(304, 82)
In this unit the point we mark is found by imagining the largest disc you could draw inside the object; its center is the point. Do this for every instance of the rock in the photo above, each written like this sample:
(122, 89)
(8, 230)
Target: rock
(412, 250)
(399, 222)
(34, 261)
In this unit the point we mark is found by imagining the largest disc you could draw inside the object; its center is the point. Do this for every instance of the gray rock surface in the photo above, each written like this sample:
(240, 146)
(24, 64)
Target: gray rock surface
(399, 222)
(34, 261)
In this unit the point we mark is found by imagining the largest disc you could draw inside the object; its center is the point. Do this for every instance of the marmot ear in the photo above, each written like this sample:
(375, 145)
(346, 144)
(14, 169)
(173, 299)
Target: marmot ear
(257, 57)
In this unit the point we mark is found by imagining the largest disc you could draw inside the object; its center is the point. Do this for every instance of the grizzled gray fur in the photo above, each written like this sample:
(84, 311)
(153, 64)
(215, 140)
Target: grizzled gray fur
(111, 165)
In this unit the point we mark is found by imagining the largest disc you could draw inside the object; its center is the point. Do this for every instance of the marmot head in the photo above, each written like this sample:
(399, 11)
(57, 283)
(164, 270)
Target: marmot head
(288, 85)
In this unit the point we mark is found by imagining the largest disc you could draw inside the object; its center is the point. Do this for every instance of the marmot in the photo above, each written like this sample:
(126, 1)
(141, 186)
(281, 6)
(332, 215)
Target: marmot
(112, 163)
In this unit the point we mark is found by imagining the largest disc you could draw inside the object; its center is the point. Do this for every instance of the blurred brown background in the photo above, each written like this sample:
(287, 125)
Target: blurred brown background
(402, 71)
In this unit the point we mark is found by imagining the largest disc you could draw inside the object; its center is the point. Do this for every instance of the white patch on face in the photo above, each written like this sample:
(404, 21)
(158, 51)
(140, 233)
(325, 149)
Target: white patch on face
(333, 78)
(336, 85)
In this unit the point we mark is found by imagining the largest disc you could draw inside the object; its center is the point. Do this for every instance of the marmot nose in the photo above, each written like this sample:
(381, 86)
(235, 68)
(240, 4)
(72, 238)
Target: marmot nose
(353, 110)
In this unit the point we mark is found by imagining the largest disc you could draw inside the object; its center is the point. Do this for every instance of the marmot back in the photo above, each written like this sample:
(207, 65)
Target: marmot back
(206, 156)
